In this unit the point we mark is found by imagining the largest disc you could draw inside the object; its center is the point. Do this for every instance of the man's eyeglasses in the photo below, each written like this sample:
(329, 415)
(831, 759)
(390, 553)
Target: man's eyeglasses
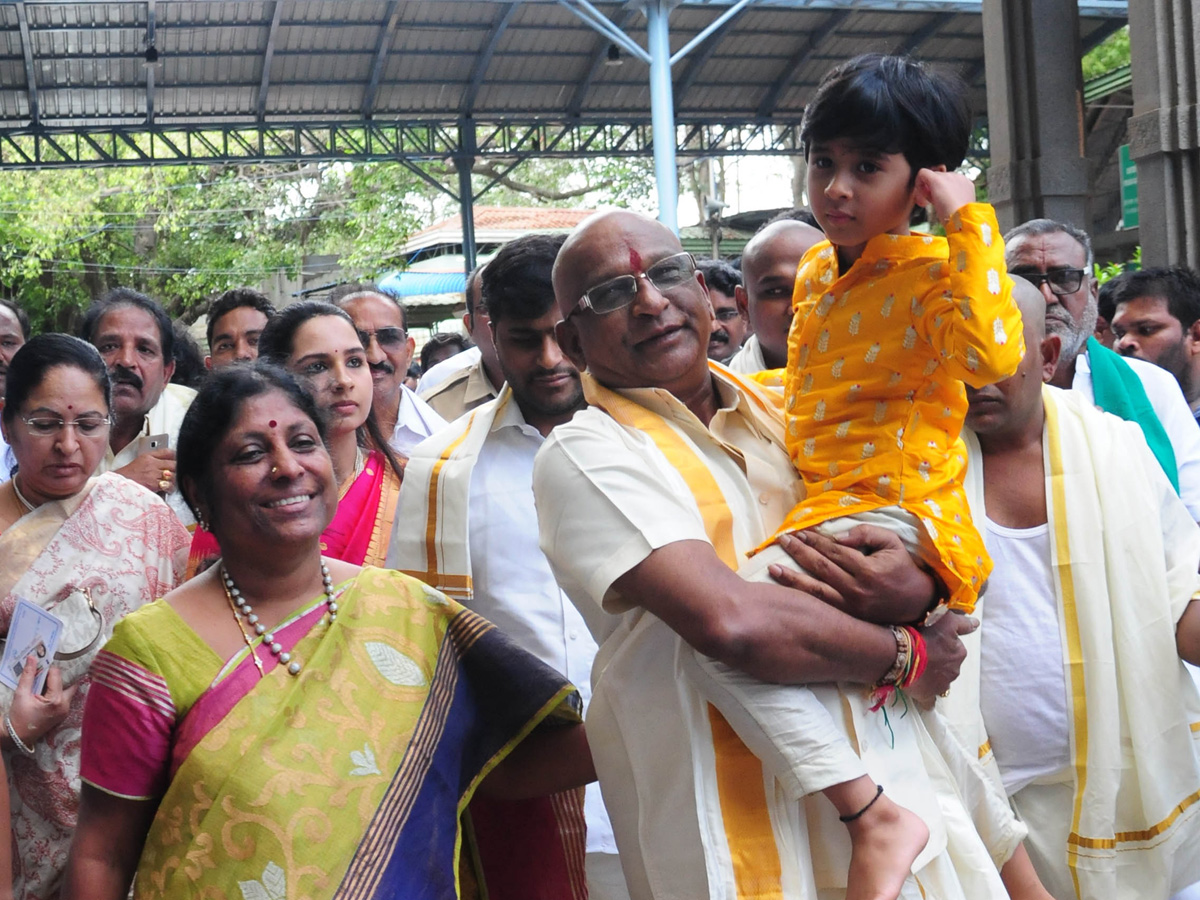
(617, 293)
(389, 338)
(1061, 281)
(46, 427)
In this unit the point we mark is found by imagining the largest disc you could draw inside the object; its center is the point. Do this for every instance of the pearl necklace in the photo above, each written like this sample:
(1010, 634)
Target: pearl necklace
(25, 503)
(241, 608)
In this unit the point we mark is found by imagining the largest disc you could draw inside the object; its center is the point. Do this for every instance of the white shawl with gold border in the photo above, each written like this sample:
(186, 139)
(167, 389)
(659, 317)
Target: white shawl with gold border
(1124, 557)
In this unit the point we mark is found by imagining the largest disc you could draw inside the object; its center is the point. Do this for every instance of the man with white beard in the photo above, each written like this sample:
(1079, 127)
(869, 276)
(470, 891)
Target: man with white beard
(1057, 258)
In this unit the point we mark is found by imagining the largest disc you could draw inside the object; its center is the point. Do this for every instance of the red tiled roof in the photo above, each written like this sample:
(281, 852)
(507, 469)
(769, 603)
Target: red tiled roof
(512, 218)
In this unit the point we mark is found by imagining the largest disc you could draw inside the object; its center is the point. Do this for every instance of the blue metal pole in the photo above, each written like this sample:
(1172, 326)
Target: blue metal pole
(709, 30)
(662, 112)
(464, 161)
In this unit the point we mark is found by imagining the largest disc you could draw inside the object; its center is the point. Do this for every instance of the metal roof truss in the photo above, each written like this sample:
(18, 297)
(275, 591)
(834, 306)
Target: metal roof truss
(141, 145)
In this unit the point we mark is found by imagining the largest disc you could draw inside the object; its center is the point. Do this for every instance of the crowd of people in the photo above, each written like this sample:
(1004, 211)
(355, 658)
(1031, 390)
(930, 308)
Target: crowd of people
(859, 566)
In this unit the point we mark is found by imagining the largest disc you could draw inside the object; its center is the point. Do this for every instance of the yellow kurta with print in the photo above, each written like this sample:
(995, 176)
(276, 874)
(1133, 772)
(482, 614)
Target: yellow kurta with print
(877, 358)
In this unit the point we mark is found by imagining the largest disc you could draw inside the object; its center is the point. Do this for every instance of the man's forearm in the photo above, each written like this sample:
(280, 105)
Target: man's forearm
(770, 632)
(792, 638)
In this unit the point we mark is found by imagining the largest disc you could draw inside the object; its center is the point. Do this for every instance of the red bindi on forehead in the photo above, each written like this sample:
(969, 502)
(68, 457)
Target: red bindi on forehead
(272, 423)
(635, 260)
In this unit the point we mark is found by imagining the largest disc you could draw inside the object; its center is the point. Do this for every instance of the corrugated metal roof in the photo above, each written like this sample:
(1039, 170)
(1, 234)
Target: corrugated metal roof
(424, 59)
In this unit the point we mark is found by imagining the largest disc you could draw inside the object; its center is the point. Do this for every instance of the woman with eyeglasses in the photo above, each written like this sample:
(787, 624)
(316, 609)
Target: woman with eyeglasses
(317, 342)
(70, 544)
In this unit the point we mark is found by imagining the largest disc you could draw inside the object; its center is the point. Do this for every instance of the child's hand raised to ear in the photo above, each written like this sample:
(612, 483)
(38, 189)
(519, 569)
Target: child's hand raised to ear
(947, 191)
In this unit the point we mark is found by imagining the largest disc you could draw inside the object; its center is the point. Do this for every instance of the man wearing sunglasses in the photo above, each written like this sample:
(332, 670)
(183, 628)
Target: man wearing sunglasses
(381, 324)
(731, 325)
(648, 501)
(1057, 258)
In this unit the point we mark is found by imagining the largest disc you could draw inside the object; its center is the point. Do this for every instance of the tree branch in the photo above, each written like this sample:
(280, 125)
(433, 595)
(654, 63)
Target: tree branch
(491, 171)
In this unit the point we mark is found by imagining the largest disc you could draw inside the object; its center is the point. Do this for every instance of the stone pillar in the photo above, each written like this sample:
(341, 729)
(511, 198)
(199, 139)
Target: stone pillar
(1164, 138)
(1035, 111)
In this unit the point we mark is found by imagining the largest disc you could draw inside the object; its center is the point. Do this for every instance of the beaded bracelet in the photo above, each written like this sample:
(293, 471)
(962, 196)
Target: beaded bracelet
(903, 652)
(15, 738)
(911, 659)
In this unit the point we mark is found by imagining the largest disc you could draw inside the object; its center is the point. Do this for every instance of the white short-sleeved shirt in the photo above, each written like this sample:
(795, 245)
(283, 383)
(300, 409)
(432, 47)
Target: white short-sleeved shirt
(1183, 431)
(749, 359)
(7, 460)
(627, 500)
(165, 417)
(511, 582)
(447, 369)
(607, 497)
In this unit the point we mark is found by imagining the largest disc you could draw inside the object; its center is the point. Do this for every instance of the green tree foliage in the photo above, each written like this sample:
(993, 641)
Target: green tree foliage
(178, 233)
(1111, 270)
(184, 233)
(1111, 53)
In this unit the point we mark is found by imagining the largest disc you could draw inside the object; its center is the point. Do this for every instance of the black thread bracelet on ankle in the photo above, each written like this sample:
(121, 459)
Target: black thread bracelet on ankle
(859, 814)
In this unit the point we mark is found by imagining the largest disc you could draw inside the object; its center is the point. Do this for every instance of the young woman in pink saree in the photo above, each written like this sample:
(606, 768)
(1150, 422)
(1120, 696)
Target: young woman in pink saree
(317, 342)
(294, 725)
(67, 541)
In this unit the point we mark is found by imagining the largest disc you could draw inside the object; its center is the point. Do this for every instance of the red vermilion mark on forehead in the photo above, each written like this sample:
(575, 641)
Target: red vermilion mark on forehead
(272, 423)
(69, 406)
(635, 260)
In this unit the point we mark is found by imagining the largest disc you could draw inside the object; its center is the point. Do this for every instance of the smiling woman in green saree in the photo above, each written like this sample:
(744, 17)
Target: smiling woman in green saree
(285, 725)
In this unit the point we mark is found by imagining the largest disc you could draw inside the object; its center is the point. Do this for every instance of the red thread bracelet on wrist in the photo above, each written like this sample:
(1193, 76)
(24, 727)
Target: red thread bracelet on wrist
(920, 657)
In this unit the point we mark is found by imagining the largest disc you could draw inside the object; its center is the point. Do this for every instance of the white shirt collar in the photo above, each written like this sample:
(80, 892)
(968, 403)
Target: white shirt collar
(415, 421)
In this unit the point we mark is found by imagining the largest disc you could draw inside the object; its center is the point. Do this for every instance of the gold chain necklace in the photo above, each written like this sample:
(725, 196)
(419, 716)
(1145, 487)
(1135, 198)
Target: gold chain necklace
(241, 608)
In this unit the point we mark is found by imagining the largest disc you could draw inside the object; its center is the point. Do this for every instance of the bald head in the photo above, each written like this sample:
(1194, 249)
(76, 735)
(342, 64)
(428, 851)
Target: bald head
(769, 263)
(660, 339)
(594, 235)
(1032, 305)
(1010, 412)
(787, 237)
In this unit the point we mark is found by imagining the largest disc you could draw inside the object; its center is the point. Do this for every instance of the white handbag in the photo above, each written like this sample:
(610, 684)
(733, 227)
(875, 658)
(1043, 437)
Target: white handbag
(82, 635)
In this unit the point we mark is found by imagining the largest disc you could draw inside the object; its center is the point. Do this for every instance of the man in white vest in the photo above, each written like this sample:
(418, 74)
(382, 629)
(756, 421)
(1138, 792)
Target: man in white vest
(1074, 684)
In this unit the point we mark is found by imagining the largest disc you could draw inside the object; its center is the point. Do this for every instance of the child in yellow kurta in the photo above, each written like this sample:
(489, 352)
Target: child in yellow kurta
(877, 356)
(888, 326)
